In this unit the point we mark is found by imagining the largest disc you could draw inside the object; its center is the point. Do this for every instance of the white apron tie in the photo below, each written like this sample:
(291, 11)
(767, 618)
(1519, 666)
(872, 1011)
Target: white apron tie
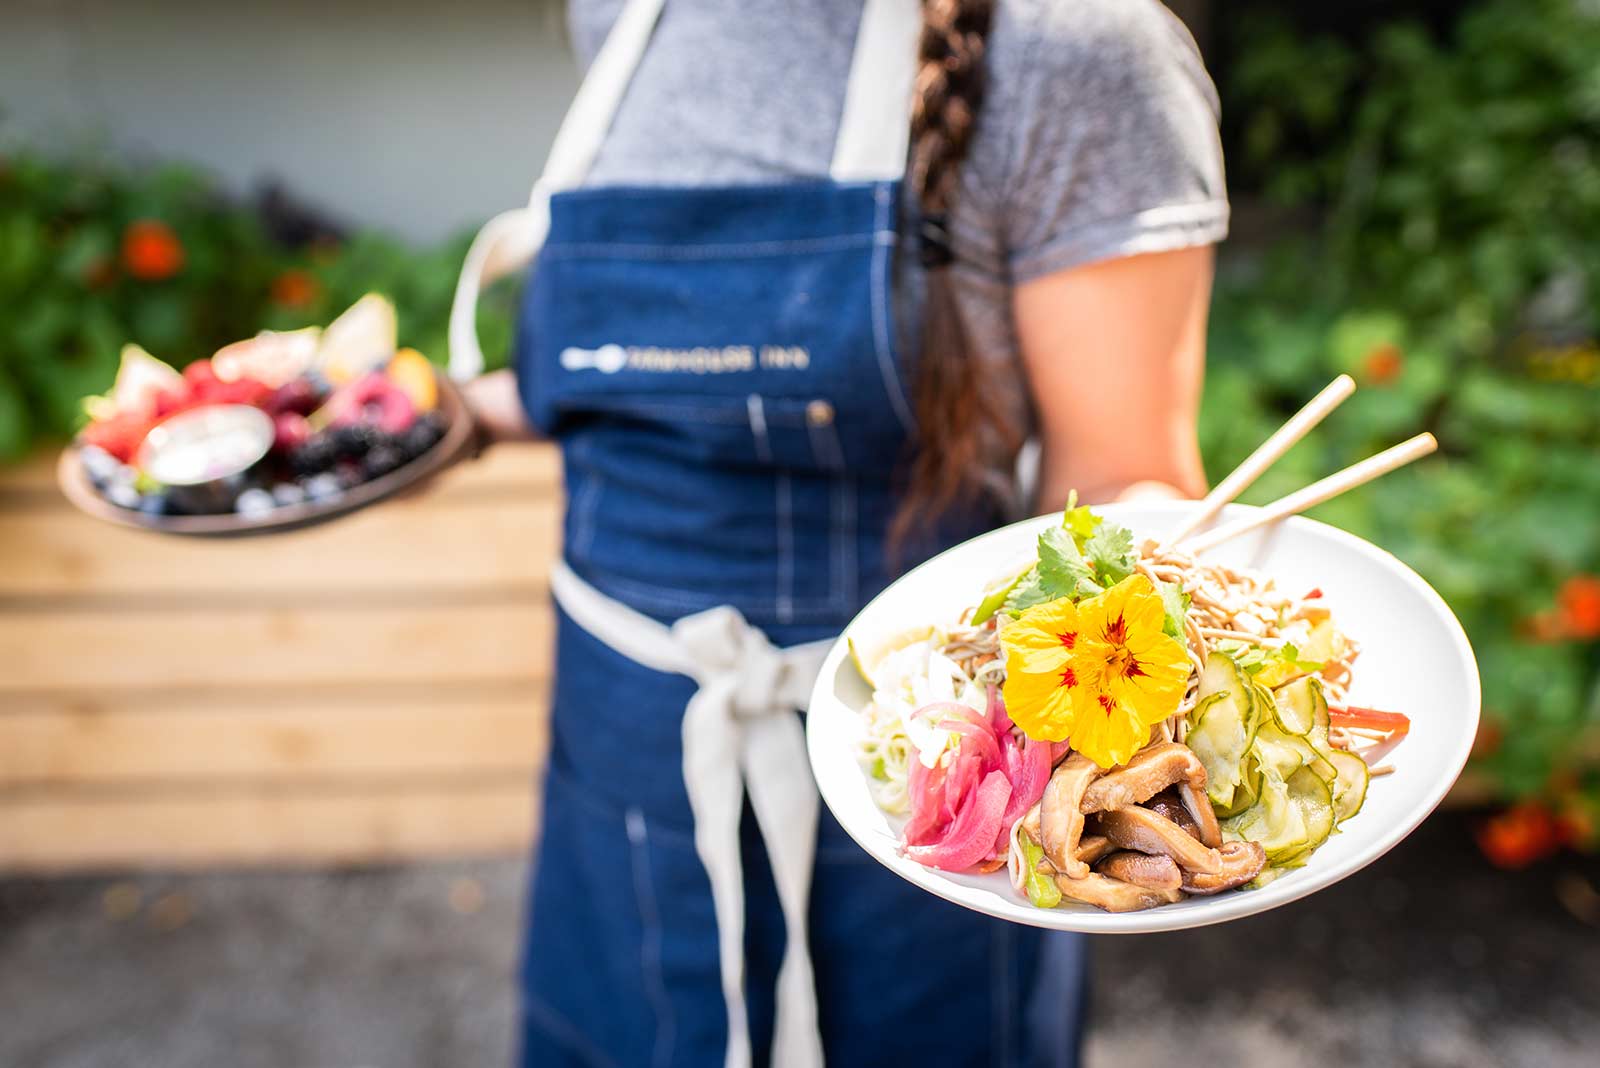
(739, 733)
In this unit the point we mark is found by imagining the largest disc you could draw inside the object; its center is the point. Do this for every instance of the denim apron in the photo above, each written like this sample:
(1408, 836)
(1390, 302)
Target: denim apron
(718, 367)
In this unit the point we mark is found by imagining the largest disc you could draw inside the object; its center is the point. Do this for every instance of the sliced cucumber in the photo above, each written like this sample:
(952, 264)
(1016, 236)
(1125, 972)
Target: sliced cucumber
(1247, 793)
(1281, 754)
(1276, 822)
(1310, 794)
(1296, 705)
(1224, 726)
(1350, 785)
(1041, 889)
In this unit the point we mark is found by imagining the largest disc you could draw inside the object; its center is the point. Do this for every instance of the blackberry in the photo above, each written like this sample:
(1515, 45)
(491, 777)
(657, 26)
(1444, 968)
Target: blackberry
(352, 442)
(313, 457)
(420, 437)
(381, 459)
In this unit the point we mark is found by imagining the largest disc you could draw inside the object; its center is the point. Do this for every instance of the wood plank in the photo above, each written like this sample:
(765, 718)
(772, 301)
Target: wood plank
(430, 734)
(512, 467)
(59, 833)
(36, 472)
(424, 544)
(326, 640)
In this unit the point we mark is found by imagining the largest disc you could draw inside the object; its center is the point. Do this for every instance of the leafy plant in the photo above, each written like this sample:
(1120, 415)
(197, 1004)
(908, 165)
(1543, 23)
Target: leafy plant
(1455, 272)
(93, 256)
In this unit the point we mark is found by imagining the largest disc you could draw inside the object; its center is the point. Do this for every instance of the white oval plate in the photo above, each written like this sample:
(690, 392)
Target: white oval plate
(1415, 659)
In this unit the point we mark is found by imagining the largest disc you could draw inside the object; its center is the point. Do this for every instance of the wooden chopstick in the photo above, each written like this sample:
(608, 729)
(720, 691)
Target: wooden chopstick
(1266, 454)
(1314, 494)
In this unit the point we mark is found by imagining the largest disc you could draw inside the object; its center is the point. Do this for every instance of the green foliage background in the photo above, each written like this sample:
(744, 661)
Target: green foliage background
(1433, 228)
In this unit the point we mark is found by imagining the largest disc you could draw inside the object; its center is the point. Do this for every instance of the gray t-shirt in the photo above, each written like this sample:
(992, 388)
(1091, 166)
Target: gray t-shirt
(1097, 138)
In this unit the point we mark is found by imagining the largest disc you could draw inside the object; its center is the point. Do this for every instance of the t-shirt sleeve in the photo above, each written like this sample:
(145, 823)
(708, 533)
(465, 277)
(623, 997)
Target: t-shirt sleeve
(1099, 138)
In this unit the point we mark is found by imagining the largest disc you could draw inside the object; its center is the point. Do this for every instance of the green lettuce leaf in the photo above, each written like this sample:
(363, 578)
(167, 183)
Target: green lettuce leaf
(1176, 604)
(1079, 520)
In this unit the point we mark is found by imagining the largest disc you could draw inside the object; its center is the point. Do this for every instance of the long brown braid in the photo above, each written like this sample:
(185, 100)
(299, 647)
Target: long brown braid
(963, 442)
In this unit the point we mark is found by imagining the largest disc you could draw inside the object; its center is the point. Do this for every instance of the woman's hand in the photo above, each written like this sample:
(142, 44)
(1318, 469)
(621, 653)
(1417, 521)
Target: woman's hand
(497, 409)
(1115, 355)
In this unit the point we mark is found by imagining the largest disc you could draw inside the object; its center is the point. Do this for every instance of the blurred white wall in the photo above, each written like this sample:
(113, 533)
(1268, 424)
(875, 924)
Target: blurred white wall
(423, 118)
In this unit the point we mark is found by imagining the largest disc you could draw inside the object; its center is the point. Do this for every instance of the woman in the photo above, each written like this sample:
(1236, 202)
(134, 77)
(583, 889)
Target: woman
(807, 277)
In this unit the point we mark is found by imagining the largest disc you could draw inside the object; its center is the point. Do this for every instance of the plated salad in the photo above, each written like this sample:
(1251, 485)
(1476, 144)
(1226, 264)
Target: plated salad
(1120, 725)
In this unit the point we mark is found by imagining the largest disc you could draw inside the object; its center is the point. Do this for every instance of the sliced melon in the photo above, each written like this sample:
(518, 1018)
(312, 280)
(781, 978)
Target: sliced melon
(141, 378)
(272, 357)
(360, 341)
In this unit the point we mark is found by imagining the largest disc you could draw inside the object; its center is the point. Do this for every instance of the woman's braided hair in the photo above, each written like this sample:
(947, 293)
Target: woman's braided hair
(963, 443)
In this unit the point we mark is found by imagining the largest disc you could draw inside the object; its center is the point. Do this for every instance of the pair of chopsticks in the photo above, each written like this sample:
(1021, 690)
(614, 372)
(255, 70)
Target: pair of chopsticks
(1268, 452)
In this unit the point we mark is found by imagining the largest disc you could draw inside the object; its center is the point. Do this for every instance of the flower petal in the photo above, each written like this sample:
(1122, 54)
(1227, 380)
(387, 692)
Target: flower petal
(1040, 702)
(1106, 731)
(1042, 638)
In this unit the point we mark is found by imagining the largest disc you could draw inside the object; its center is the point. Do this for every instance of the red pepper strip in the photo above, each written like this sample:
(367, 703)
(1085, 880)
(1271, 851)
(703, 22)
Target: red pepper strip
(1356, 716)
(1313, 595)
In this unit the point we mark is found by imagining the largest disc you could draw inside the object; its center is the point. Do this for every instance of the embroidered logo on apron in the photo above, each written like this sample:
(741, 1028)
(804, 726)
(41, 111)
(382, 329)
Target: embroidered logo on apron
(700, 360)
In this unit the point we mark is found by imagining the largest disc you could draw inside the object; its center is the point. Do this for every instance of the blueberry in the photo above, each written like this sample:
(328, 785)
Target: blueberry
(349, 474)
(288, 493)
(323, 487)
(123, 495)
(154, 504)
(98, 464)
(317, 382)
(254, 503)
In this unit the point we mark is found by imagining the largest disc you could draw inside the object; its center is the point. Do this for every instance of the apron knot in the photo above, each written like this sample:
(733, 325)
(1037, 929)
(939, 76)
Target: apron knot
(726, 651)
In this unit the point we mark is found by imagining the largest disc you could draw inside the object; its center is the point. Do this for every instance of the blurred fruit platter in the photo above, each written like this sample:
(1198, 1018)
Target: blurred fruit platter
(277, 431)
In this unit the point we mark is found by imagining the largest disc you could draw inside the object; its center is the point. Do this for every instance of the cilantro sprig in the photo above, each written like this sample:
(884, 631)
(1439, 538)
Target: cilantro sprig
(1085, 556)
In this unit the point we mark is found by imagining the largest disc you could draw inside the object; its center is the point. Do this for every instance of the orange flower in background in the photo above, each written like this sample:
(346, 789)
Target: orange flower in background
(151, 251)
(1382, 364)
(295, 289)
(1579, 600)
(1522, 834)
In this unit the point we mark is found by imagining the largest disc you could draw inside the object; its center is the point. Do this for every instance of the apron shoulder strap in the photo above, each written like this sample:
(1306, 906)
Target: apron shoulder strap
(872, 143)
(875, 130)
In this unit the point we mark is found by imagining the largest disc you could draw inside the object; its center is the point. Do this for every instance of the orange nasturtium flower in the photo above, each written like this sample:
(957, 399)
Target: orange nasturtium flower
(295, 289)
(1098, 674)
(151, 251)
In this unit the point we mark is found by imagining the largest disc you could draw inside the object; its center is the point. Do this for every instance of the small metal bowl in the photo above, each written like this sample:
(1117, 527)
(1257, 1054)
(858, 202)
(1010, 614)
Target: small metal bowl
(202, 455)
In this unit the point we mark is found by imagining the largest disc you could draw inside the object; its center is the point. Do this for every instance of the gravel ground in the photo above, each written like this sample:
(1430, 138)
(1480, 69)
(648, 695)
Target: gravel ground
(1429, 958)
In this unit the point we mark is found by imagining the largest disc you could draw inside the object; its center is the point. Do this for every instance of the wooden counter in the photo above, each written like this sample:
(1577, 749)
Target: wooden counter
(368, 690)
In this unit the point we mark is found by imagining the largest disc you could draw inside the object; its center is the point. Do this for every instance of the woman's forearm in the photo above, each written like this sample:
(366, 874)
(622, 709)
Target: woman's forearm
(1115, 354)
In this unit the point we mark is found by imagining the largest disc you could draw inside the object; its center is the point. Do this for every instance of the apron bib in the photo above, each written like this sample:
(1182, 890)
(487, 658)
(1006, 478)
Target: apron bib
(718, 366)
